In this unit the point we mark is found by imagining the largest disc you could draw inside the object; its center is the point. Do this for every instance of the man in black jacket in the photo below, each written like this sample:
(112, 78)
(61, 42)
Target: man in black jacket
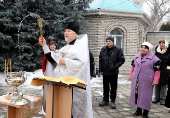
(92, 63)
(110, 59)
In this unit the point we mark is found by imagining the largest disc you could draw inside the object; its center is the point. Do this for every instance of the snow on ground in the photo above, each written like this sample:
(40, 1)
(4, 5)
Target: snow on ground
(29, 76)
(94, 82)
(28, 89)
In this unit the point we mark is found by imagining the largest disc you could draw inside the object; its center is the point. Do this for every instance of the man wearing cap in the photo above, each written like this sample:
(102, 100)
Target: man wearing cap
(110, 59)
(73, 61)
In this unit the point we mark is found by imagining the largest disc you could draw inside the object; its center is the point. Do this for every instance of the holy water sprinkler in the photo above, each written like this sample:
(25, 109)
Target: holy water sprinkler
(16, 79)
(40, 26)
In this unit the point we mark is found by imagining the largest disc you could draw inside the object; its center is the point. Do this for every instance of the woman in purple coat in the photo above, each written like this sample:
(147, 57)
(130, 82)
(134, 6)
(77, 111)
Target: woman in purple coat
(144, 74)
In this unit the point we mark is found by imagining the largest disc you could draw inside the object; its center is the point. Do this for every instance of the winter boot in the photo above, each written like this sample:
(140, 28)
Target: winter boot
(138, 112)
(162, 102)
(113, 105)
(104, 103)
(145, 113)
(155, 101)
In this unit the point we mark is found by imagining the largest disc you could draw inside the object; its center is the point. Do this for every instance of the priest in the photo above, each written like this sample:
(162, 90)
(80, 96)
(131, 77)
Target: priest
(73, 61)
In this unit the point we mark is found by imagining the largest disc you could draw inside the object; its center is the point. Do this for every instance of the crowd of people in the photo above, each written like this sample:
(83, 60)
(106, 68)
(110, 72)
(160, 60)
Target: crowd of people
(148, 70)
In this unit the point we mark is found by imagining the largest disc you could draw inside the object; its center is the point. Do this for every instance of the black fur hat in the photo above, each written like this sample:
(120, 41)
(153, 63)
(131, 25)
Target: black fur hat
(73, 26)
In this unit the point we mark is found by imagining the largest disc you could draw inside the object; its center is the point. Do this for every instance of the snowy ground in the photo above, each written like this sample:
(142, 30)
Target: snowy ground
(26, 88)
(124, 110)
(30, 75)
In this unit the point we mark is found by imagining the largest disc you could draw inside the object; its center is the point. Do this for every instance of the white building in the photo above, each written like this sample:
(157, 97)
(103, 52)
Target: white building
(123, 20)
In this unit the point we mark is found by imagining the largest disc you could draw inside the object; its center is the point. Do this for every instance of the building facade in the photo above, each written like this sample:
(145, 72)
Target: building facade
(126, 22)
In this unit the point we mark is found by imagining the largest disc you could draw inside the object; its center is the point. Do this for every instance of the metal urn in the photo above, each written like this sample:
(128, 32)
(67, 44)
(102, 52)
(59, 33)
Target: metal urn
(15, 79)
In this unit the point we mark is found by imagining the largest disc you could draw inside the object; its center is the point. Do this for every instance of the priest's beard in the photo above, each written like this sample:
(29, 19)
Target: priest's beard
(66, 40)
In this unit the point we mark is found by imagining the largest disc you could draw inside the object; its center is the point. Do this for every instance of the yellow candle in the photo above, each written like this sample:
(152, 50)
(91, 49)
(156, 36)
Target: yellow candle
(10, 65)
(5, 66)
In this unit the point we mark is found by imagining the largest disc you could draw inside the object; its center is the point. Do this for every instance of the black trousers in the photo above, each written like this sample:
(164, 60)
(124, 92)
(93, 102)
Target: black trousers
(110, 86)
(167, 101)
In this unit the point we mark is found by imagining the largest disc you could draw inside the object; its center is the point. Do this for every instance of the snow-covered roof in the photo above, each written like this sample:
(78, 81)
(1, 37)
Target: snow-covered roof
(116, 5)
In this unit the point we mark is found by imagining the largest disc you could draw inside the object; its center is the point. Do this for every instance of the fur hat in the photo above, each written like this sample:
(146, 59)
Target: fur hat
(52, 42)
(73, 26)
(110, 38)
(148, 44)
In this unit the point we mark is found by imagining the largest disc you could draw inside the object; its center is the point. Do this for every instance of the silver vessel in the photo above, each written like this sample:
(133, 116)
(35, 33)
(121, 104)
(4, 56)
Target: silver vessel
(16, 79)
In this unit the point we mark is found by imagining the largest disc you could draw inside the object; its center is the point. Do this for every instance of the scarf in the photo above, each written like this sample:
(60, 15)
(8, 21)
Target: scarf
(144, 54)
(160, 50)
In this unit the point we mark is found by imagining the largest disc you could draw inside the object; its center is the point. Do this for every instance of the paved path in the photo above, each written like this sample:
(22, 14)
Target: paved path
(124, 110)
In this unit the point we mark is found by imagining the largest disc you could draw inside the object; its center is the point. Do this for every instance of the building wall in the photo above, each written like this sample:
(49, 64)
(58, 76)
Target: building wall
(98, 28)
(155, 37)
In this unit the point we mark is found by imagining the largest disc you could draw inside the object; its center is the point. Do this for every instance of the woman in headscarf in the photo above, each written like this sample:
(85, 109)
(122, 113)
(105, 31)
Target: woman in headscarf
(144, 74)
(161, 51)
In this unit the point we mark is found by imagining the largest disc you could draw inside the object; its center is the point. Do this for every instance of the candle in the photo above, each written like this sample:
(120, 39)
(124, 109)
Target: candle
(10, 65)
(5, 66)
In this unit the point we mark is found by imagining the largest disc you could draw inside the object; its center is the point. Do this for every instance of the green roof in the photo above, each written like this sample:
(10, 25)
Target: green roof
(117, 5)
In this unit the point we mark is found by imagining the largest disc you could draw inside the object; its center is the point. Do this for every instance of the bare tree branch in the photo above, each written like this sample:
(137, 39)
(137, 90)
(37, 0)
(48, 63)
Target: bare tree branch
(158, 10)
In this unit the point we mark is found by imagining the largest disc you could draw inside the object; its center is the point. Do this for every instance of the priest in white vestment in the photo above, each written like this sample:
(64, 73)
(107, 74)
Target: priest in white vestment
(73, 61)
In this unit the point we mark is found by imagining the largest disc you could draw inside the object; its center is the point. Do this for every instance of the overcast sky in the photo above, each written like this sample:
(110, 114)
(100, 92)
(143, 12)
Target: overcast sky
(146, 9)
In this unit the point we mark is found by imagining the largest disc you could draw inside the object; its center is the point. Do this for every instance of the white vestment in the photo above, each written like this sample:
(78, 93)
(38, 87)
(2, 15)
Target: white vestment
(48, 72)
(76, 65)
(49, 68)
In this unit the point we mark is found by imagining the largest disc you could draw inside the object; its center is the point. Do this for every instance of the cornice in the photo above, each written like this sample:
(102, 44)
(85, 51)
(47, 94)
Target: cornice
(143, 16)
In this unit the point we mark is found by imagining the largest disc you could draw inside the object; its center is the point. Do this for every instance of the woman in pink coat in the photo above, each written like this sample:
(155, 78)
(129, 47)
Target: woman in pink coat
(144, 74)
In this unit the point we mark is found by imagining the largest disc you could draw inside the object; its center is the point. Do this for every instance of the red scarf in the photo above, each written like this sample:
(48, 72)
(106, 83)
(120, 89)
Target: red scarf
(144, 54)
(44, 61)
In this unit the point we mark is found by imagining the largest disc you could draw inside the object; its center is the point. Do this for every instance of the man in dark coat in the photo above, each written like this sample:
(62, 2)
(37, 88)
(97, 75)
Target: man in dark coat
(161, 51)
(91, 64)
(110, 59)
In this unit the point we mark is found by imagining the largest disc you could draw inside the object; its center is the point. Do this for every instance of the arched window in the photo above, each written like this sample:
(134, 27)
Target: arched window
(118, 36)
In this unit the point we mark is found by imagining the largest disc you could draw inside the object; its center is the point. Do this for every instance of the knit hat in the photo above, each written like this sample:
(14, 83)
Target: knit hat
(148, 44)
(110, 38)
(73, 26)
(52, 42)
